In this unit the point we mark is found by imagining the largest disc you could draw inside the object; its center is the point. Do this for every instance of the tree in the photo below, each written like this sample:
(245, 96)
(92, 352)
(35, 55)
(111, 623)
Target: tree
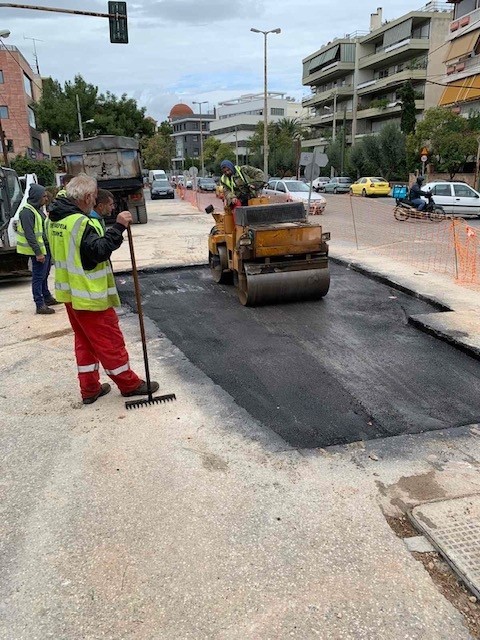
(210, 148)
(372, 155)
(392, 152)
(408, 119)
(224, 152)
(357, 159)
(158, 151)
(44, 169)
(454, 150)
(56, 111)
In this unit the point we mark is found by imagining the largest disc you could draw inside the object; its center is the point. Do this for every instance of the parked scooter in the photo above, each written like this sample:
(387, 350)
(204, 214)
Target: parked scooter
(405, 209)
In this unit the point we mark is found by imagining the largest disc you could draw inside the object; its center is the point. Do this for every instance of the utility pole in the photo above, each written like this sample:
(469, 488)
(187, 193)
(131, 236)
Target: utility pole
(80, 126)
(344, 126)
(236, 145)
(201, 136)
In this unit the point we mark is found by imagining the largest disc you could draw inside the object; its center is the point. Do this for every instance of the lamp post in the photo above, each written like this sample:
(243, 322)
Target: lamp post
(265, 95)
(334, 122)
(202, 173)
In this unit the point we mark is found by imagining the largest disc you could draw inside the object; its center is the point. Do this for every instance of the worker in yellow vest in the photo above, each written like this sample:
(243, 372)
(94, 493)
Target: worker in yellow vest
(240, 183)
(103, 209)
(32, 241)
(84, 282)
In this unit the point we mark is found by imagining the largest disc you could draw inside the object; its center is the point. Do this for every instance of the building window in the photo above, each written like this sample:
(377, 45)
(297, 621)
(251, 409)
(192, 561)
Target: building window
(383, 73)
(1, 77)
(275, 111)
(27, 85)
(10, 148)
(4, 113)
(31, 118)
(36, 144)
(464, 7)
(195, 138)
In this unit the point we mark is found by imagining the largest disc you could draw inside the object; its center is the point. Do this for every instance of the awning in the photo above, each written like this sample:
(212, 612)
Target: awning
(461, 91)
(323, 58)
(462, 46)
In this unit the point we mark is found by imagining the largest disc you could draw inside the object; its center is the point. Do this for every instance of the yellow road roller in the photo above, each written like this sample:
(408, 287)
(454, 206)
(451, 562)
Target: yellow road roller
(271, 252)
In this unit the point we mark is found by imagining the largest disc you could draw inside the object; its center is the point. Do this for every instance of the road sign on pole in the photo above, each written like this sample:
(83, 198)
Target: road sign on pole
(423, 158)
(306, 157)
(312, 171)
(118, 22)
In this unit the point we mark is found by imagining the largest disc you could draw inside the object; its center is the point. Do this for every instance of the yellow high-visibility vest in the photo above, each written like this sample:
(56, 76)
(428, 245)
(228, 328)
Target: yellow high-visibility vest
(93, 290)
(22, 245)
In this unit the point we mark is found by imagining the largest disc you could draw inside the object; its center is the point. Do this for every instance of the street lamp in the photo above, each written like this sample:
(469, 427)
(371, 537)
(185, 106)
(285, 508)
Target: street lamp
(202, 173)
(265, 104)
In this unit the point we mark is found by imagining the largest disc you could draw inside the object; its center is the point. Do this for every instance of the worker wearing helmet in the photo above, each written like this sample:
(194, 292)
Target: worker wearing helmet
(416, 193)
(240, 183)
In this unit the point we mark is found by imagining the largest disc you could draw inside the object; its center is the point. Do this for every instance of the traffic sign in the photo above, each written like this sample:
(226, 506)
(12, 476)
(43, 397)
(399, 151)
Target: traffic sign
(424, 158)
(424, 151)
(306, 157)
(312, 171)
(118, 22)
(321, 159)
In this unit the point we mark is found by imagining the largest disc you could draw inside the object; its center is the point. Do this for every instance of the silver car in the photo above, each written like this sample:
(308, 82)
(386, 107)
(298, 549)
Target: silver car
(456, 198)
(293, 190)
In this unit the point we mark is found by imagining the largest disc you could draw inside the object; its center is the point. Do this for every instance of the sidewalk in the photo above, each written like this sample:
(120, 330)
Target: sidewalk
(189, 519)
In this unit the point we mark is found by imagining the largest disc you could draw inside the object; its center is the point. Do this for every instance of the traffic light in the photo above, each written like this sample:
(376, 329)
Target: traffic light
(118, 22)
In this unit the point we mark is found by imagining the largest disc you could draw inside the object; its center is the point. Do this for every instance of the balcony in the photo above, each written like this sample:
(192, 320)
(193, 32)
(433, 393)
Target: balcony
(327, 96)
(463, 69)
(400, 51)
(379, 112)
(392, 81)
(464, 24)
(334, 70)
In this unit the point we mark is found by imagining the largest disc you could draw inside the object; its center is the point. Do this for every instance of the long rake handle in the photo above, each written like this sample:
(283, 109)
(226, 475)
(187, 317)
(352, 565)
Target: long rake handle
(138, 299)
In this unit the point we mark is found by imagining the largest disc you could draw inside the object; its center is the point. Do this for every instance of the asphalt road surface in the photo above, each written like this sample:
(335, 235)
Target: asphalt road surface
(339, 370)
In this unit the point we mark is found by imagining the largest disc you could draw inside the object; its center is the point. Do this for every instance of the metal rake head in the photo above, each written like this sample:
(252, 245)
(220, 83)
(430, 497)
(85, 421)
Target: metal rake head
(136, 404)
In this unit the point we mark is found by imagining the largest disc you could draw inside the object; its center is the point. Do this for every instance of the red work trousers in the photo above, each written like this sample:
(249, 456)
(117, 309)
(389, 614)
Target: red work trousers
(99, 339)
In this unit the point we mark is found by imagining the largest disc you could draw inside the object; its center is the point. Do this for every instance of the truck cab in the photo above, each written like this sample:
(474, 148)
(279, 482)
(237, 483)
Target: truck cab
(11, 194)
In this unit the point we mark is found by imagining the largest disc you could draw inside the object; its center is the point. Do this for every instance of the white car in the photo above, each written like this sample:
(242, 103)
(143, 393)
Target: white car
(319, 183)
(456, 198)
(292, 190)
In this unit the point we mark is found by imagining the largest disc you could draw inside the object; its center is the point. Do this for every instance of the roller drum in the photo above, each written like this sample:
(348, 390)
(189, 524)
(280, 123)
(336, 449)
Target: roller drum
(287, 286)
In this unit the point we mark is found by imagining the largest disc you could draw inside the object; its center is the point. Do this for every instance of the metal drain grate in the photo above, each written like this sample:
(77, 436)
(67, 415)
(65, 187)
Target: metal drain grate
(453, 526)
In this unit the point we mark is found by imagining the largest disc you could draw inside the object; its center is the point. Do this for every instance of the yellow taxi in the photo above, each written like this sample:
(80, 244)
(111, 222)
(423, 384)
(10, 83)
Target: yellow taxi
(370, 187)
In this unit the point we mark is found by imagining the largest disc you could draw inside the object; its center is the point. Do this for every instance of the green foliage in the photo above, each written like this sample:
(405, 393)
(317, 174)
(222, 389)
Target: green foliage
(450, 138)
(392, 146)
(158, 151)
(334, 153)
(408, 120)
(283, 140)
(45, 169)
(56, 112)
(357, 160)
(372, 155)
(210, 148)
(224, 152)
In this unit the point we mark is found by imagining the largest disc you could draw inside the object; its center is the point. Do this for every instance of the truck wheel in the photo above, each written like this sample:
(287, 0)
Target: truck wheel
(142, 217)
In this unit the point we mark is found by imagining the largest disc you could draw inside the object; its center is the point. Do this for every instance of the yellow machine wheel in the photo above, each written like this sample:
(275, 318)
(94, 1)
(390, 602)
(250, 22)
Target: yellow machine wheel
(219, 266)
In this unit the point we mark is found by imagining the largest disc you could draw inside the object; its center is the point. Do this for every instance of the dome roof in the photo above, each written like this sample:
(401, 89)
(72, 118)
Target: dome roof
(180, 110)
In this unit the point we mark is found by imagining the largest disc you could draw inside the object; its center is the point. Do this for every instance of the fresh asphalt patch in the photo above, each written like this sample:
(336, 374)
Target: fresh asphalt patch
(342, 369)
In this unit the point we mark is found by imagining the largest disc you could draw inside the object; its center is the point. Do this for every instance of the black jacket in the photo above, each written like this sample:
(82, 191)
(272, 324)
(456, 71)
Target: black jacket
(93, 248)
(416, 191)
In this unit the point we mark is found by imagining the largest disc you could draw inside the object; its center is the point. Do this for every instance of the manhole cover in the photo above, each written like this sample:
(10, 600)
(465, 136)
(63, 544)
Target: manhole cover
(453, 526)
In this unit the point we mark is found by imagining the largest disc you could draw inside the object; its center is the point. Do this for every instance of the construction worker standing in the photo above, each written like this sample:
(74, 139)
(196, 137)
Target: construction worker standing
(32, 241)
(104, 207)
(84, 282)
(240, 183)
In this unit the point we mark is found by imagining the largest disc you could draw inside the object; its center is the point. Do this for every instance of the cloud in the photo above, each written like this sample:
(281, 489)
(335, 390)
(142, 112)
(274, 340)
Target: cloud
(193, 12)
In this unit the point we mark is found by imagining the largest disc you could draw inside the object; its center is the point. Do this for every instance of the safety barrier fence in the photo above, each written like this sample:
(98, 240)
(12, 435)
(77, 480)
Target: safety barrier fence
(447, 245)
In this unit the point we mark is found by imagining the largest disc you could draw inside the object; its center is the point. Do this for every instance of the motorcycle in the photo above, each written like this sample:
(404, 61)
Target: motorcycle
(405, 209)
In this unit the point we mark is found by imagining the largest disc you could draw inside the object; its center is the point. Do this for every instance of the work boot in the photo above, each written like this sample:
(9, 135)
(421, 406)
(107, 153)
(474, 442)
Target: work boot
(142, 390)
(104, 389)
(51, 302)
(44, 310)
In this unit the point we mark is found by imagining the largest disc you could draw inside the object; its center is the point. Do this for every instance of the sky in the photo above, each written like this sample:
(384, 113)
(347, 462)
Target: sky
(188, 50)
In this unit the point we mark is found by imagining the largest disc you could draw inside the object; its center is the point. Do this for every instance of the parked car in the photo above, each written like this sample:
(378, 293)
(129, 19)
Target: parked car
(456, 198)
(370, 187)
(161, 189)
(206, 184)
(318, 183)
(337, 185)
(291, 190)
(189, 184)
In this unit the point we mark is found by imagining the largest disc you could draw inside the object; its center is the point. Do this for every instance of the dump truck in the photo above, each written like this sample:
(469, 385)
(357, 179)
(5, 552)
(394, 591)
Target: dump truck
(12, 264)
(114, 161)
(271, 252)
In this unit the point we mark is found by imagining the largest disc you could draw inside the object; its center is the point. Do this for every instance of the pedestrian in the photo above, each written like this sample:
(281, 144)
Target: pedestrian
(240, 183)
(103, 208)
(84, 282)
(32, 241)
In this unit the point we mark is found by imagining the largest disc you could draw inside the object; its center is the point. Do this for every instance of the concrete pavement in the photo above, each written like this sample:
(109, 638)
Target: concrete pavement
(191, 520)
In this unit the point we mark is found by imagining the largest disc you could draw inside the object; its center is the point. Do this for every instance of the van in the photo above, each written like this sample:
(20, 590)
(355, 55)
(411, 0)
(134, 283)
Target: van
(156, 174)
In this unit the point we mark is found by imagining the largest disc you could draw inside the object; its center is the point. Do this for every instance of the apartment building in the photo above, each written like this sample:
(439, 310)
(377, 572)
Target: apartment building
(462, 58)
(189, 132)
(20, 87)
(355, 79)
(238, 118)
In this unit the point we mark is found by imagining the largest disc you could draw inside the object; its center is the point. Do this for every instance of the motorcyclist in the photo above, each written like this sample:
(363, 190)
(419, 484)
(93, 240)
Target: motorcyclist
(416, 193)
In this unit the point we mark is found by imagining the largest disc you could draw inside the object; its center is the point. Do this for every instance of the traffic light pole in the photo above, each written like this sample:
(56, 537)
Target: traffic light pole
(117, 18)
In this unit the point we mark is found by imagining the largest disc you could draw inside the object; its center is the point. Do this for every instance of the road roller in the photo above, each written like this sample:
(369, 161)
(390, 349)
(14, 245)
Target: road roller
(271, 252)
